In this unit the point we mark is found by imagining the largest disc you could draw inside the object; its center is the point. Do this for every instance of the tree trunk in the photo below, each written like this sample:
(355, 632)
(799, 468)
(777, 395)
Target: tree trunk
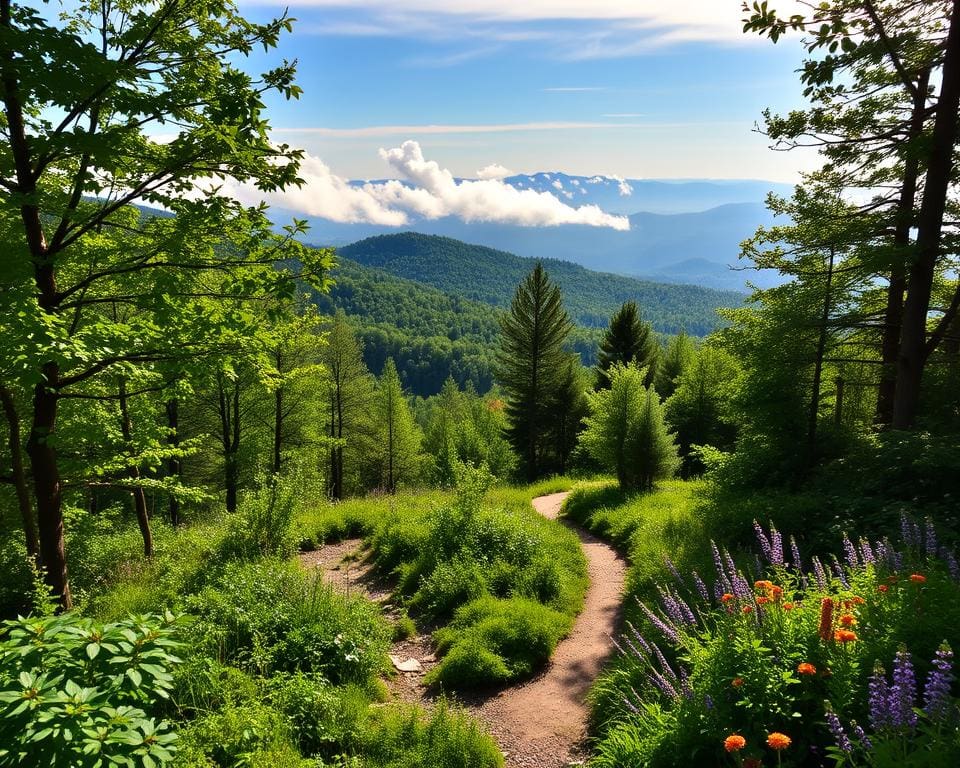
(913, 334)
(19, 475)
(277, 428)
(174, 465)
(893, 315)
(139, 498)
(818, 365)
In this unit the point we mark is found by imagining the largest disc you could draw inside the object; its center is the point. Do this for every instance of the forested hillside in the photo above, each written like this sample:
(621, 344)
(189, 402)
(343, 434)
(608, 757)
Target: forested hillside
(489, 276)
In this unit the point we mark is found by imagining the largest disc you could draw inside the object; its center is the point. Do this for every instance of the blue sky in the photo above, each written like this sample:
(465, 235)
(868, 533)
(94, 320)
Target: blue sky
(636, 88)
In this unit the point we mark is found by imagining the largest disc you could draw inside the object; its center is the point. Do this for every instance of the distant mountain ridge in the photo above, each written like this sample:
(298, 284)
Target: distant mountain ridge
(482, 274)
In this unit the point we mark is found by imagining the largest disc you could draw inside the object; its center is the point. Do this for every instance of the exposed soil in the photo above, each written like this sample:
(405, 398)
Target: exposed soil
(540, 723)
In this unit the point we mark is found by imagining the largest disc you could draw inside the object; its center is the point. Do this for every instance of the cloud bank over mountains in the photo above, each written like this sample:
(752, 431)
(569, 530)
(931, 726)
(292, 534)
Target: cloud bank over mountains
(425, 190)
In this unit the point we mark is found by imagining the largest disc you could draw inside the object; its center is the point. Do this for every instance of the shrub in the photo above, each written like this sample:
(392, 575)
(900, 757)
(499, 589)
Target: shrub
(272, 616)
(73, 693)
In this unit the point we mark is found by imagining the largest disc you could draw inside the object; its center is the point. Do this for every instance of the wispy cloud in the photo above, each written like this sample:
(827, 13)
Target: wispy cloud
(451, 59)
(426, 130)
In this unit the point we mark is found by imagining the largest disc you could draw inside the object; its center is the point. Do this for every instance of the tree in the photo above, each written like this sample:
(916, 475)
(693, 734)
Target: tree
(397, 439)
(627, 340)
(530, 364)
(569, 407)
(78, 153)
(348, 395)
(625, 431)
(674, 361)
(881, 126)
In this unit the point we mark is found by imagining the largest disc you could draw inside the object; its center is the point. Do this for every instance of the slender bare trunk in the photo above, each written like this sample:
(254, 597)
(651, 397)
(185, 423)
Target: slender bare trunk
(19, 477)
(133, 472)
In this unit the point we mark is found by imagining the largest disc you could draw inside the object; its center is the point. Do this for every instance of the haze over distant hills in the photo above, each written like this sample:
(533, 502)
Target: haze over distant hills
(680, 231)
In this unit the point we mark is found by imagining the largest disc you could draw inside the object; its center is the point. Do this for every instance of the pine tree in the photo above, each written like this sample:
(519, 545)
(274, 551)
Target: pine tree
(398, 437)
(677, 357)
(530, 363)
(626, 432)
(348, 394)
(569, 408)
(627, 340)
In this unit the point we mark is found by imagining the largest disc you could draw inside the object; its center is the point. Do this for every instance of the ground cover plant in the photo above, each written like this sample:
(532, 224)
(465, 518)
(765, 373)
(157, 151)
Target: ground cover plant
(786, 660)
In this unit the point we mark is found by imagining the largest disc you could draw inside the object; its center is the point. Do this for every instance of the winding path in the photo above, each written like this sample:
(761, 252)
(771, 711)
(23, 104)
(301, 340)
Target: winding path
(541, 723)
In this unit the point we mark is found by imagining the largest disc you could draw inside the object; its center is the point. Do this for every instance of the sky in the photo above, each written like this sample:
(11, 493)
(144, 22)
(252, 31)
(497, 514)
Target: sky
(631, 88)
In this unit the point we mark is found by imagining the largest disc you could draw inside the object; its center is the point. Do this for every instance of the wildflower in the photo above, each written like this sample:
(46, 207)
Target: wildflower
(845, 636)
(861, 736)
(883, 588)
(762, 600)
(936, 694)
(727, 597)
(737, 682)
(903, 692)
(734, 742)
(776, 592)
(778, 741)
(826, 618)
(879, 695)
(806, 668)
(762, 540)
(765, 585)
(839, 735)
(857, 600)
(917, 578)
(747, 609)
(788, 606)
(847, 620)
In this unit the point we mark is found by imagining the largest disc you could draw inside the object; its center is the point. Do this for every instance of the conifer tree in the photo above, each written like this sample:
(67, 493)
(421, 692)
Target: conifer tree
(569, 408)
(398, 438)
(530, 364)
(627, 340)
(677, 357)
(626, 432)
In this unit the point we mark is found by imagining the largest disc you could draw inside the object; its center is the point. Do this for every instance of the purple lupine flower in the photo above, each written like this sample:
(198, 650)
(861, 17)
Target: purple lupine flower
(861, 736)
(685, 688)
(903, 692)
(866, 552)
(637, 654)
(717, 591)
(670, 607)
(850, 552)
(896, 560)
(795, 554)
(880, 550)
(839, 735)
(930, 538)
(776, 546)
(879, 696)
(663, 684)
(725, 584)
(701, 587)
(819, 574)
(731, 566)
(638, 637)
(936, 693)
(668, 631)
(685, 610)
(708, 701)
(630, 705)
(741, 587)
(673, 570)
(841, 574)
(662, 660)
(909, 531)
(762, 540)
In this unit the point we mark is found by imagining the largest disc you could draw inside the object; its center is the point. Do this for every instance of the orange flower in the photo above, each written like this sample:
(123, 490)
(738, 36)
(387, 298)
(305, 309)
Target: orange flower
(747, 609)
(727, 597)
(917, 578)
(734, 742)
(763, 600)
(847, 620)
(788, 606)
(778, 741)
(845, 636)
(777, 592)
(768, 585)
(737, 682)
(826, 618)
(806, 668)
(857, 600)
(883, 588)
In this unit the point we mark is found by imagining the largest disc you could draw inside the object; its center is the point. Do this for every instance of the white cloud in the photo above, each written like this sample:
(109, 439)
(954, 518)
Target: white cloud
(623, 187)
(426, 190)
(436, 193)
(494, 171)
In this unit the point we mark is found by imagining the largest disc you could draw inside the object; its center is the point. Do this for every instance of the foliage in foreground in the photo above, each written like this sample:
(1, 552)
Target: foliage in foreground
(76, 694)
(790, 662)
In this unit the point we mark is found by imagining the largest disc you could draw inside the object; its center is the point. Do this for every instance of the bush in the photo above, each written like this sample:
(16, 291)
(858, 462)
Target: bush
(794, 650)
(272, 616)
(73, 693)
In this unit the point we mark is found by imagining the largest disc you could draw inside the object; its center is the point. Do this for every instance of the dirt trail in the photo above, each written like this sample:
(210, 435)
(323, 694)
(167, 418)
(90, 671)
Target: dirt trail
(540, 723)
